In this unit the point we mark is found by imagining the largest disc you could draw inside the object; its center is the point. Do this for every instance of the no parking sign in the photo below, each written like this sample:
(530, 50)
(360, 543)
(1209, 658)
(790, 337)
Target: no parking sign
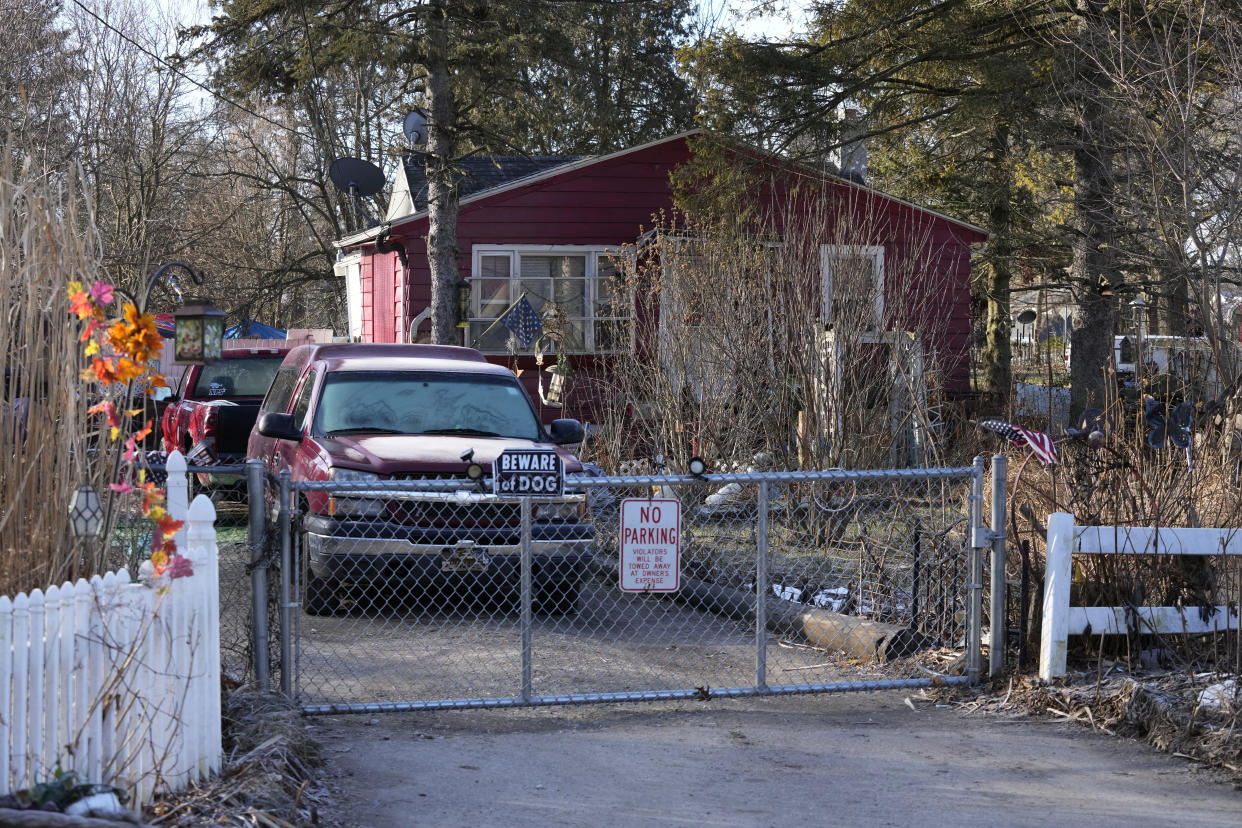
(650, 545)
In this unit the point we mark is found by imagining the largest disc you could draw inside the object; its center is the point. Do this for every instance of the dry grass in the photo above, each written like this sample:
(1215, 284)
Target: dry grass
(267, 778)
(48, 444)
(1162, 709)
(1123, 481)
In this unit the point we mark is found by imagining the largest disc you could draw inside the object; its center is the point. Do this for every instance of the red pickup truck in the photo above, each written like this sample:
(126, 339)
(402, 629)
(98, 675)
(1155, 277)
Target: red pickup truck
(366, 412)
(214, 407)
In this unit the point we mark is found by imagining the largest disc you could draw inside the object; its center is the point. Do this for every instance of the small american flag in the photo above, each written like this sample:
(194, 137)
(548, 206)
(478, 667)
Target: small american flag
(1038, 442)
(523, 322)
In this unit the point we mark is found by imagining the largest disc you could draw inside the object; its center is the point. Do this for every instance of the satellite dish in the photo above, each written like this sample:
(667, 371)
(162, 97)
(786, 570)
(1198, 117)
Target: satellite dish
(415, 128)
(358, 178)
(1026, 317)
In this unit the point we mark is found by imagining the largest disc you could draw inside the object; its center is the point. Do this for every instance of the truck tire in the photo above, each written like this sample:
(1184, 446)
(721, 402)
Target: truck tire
(559, 597)
(320, 597)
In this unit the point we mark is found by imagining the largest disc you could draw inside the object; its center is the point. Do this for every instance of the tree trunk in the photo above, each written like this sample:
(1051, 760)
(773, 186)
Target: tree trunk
(997, 374)
(441, 192)
(1093, 271)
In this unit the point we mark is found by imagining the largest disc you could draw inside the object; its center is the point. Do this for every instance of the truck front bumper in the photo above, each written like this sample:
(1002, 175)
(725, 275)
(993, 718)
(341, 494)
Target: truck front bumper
(371, 552)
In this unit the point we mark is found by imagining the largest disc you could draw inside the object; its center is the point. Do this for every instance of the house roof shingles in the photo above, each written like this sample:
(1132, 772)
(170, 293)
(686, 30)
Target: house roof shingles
(481, 172)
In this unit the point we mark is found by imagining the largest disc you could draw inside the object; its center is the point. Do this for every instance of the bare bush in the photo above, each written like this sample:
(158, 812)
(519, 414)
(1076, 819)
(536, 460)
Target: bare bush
(737, 352)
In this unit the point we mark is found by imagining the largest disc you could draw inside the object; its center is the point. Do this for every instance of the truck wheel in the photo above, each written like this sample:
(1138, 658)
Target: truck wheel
(559, 597)
(320, 597)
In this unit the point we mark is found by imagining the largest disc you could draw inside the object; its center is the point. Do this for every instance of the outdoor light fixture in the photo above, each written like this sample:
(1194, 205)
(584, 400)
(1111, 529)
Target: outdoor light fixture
(697, 466)
(86, 513)
(462, 290)
(199, 334)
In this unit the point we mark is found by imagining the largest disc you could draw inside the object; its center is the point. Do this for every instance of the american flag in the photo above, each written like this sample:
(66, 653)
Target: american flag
(1038, 442)
(523, 321)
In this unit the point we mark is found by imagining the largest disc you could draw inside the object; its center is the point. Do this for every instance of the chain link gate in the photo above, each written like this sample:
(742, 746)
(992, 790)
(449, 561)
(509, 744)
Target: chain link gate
(432, 594)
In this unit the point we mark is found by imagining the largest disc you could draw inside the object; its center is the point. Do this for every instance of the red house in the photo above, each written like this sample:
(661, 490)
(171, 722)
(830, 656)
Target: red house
(546, 226)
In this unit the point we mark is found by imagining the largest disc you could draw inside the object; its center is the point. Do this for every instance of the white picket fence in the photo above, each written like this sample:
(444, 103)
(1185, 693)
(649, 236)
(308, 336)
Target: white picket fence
(1060, 620)
(112, 680)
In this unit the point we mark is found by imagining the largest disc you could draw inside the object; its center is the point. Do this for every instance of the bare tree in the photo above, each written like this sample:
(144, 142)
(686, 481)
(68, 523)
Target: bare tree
(39, 72)
(140, 135)
(787, 332)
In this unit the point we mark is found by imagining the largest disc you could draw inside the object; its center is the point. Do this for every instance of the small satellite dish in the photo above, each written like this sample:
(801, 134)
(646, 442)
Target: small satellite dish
(356, 177)
(415, 128)
(1026, 317)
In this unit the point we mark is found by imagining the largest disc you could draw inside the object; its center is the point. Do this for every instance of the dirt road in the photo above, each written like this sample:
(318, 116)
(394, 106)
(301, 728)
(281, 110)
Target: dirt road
(803, 761)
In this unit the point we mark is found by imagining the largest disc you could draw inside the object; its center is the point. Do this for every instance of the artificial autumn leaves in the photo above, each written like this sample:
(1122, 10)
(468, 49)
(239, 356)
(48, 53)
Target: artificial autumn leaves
(132, 339)
(120, 350)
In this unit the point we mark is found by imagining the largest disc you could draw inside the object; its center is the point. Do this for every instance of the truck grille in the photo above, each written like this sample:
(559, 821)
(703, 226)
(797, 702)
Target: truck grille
(442, 514)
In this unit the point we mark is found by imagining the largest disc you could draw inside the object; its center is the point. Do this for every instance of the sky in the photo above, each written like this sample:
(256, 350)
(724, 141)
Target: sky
(787, 15)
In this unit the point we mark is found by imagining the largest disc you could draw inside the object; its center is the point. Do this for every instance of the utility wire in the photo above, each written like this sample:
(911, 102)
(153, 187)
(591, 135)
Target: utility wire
(106, 24)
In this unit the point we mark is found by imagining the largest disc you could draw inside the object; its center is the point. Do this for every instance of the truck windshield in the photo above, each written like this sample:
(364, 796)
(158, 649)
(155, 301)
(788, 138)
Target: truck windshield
(247, 376)
(407, 402)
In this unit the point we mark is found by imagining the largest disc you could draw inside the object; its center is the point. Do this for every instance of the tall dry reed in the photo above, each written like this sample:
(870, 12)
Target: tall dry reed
(49, 445)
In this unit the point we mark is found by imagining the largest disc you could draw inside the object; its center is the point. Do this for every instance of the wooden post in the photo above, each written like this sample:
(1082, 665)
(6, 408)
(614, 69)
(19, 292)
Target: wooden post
(1054, 634)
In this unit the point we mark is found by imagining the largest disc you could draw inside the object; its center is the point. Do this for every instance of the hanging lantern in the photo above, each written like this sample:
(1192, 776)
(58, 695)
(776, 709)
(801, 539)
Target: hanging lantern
(462, 291)
(199, 334)
(86, 513)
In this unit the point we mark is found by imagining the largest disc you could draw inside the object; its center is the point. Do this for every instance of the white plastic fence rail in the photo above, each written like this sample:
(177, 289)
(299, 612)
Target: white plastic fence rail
(112, 680)
(1060, 620)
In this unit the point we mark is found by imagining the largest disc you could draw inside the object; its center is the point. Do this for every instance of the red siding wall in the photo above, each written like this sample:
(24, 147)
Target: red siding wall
(381, 321)
(611, 202)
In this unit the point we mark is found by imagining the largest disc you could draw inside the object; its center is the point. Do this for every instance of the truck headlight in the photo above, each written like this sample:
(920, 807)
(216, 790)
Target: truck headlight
(344, 505)
(558, 512)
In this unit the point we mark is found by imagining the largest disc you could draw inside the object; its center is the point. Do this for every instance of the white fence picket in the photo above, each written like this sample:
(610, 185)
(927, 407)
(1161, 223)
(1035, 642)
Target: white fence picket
(51, 667)
(112, 680)
(21, 661)
(7, 653)
(34, 694)
(64, 708)
(95, 655)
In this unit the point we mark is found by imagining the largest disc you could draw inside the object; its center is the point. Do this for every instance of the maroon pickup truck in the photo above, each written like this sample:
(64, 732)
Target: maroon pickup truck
(363, 412)
(214, 407)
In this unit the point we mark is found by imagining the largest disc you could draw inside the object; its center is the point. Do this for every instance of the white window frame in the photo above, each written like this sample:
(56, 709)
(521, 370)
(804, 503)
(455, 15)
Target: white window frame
(592, 254)
(828, 252)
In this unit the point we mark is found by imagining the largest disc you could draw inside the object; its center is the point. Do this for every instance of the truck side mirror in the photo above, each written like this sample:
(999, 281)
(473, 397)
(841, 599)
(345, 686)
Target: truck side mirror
(280, 426)
(566, 432)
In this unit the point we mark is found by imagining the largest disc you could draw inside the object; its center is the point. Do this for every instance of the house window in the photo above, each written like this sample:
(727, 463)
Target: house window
(853, 285)
(574, 289)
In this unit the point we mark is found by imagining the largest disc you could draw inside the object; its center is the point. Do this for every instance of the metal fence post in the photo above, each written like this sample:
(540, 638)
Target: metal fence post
(999, 624)
(761, 589)
(286, 574)
(974, 609)
(526, 599)
(255, 536)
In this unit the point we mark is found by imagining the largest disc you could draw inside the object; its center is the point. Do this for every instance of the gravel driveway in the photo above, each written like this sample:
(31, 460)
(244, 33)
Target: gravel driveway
(617, 642)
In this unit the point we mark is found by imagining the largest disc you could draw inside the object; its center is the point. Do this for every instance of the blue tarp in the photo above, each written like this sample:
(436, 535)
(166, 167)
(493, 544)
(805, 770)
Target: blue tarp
(252, 329)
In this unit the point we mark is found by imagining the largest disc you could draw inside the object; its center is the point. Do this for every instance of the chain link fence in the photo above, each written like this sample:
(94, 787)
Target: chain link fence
(428, 593)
